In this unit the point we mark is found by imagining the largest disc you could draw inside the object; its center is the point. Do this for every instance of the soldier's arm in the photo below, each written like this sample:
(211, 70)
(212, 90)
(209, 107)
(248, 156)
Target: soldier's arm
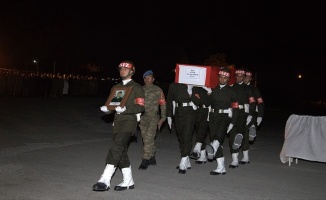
(137, 106)
(169, 99)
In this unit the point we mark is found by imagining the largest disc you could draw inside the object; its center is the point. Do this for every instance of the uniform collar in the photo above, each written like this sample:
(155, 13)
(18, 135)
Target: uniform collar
(124, 82)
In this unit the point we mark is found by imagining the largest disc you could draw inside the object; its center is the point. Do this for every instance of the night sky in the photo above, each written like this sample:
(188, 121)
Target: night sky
(277, 36)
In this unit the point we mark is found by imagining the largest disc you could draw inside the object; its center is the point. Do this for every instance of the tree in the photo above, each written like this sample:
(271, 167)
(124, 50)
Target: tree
(218, 59)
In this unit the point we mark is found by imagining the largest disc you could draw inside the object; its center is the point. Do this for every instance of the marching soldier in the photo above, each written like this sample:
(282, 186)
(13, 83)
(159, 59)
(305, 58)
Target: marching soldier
(222, 118)
(125, 123)
(200, 99)
(247, 104)
(259, 112)
(150, 120)
(180, 105)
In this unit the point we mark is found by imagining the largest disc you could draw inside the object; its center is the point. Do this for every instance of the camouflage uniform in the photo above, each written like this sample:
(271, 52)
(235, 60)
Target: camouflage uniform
(154, 97)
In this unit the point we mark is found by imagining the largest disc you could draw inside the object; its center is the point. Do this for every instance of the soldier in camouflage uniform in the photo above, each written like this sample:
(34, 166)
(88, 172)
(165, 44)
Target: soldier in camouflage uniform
(247, 105)
(150, 120)
(125, 123)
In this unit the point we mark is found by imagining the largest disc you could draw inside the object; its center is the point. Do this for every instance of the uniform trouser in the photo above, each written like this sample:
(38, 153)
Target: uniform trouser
(184, 123)
(253, 121)
(201, 126)
(241, 128)
(148, 127)
(218, 125)
(117, 154)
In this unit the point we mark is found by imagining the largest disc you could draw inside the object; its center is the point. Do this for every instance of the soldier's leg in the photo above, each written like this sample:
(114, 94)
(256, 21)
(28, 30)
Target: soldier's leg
(218, 128)
(144, 133)
(117, 155)
(245, 147)
(253, 128)
(124, 165)
(184, 120)
(234, 152)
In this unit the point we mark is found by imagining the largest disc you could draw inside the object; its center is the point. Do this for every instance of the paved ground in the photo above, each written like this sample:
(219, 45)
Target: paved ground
(55, 149)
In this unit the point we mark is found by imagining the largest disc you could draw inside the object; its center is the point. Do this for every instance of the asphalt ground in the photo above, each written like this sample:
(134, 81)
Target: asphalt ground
(55, 148)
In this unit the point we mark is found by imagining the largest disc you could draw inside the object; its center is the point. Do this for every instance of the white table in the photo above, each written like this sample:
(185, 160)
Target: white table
(305, 138)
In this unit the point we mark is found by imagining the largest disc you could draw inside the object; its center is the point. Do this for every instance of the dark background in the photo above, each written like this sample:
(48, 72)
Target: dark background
(278, 40)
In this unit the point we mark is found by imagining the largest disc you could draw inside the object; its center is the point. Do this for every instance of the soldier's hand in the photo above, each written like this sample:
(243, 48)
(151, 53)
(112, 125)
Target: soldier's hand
(138, 117)
(169, 122)
(249, 118)
(105, 109)
(120, 110)
(259, 119)
(230, 128)
(209, 90)
(160, 123)
(189, 89)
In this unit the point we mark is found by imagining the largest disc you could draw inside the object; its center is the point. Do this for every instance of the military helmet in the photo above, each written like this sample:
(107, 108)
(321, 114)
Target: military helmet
(249, 72)
(224, 71)
(128, 64)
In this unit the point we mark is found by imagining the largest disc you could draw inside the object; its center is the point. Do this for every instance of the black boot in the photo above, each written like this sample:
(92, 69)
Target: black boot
(144, 164)
(152, 161)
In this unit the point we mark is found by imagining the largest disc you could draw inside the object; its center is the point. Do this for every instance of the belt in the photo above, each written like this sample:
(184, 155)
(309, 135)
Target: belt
(241, 106)
(202, 106)
(183, 104)
(220, 110)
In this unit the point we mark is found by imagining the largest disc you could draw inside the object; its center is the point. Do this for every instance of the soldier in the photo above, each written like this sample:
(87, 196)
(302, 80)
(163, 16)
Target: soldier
(247, 104)
(125, 123)
(150, 120)
(184, 114)
(200, 99)
(258, 115)
(222, 118)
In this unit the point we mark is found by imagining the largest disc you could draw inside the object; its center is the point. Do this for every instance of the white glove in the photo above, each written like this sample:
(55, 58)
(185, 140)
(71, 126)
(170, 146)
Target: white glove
(259, 119)
(138, 117)
(193, 106)
(105, 109)
(189, 90)
(209, 90)
(120, 110)
(169, 122)
(249, 118)
(209, 110)
(230, 113)
(229, 128)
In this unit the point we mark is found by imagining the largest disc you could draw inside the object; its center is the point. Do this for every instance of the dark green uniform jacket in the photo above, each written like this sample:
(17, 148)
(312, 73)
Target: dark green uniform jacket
(127, 121)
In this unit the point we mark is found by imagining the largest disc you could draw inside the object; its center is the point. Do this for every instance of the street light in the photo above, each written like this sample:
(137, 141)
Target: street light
(37, 67)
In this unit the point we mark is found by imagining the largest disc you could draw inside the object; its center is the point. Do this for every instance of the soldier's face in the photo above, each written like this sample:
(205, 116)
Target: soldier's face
(148, 80)
(247, 79)
(125, 73)
(223, 79)
(239, 77)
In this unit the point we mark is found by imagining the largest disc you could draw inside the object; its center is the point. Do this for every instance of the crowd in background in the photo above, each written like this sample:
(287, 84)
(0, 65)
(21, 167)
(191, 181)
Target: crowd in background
(15, 83)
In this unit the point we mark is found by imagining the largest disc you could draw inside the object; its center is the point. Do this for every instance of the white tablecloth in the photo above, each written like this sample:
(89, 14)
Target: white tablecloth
(305, 138)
